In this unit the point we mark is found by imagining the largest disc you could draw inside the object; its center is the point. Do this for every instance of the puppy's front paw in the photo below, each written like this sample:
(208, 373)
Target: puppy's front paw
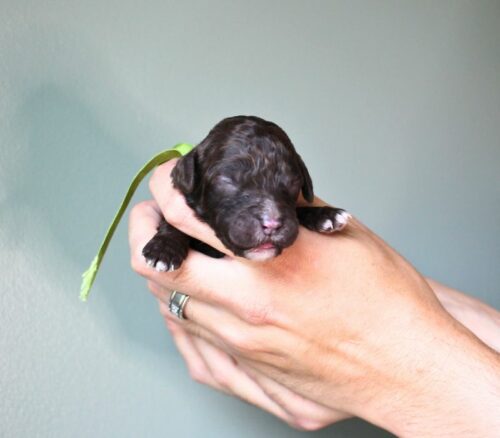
(323, 219)
(333, 220)
(164, 255)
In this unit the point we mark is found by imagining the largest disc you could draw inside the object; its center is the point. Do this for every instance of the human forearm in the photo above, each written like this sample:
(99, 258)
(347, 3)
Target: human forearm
(478, 317)
(415, 399)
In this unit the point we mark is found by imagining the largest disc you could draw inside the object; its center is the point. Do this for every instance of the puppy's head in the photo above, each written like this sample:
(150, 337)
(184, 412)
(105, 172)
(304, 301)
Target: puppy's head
(244, 179)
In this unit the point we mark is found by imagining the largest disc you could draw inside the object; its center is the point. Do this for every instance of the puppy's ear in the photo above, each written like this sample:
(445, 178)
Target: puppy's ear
(307, 185)
(184, 173)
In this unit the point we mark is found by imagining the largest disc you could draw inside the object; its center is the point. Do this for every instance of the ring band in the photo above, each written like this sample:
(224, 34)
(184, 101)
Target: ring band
(177, 303)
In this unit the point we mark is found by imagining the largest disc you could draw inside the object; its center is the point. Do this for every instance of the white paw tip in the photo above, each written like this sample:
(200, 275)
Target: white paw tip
(341, 219)
(327, 225)
(150, 262)
(172, 268)
(161, 266)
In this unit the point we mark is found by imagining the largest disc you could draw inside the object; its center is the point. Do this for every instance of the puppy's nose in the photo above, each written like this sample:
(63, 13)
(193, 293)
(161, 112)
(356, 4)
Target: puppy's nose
(269, 224)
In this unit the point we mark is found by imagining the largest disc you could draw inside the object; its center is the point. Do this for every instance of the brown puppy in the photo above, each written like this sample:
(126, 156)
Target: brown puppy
(243, 180)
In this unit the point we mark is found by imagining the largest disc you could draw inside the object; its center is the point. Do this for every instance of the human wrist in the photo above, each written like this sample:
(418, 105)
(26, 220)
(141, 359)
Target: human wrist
(477, 316)
(442, 386)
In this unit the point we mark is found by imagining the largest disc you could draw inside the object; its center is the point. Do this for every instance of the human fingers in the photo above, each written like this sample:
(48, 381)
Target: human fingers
(190, 329)
(224, 283)
(227, 329)
(196, 366)
(199, 274)
(144, 219)
(307, 414)
(239, 379)
(175, 210)
(227, 375)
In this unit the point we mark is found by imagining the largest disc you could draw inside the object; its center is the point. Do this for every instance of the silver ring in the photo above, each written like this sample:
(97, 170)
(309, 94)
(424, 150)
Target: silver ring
(177, 303)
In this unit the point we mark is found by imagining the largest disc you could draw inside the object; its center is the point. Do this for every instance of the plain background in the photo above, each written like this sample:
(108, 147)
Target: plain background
(394, 106)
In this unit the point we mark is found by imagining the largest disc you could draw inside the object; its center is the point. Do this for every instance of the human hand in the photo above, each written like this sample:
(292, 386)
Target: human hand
(342, 321)
(211, 366)
(214, 367)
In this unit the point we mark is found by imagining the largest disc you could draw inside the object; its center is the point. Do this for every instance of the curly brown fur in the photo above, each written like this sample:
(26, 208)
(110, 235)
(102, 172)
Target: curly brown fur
(243, 180)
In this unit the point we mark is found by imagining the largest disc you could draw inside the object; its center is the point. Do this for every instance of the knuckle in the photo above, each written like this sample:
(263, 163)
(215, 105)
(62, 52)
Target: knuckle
(243, 342)
(307, 424)
(275, 359)
(163, 301)
(262, 312)
(257, 314)
(198, 374)
(173, 204)
(153, 287)
(177, 212)
(191, 328)
(138, 209)
(139, 266)
(222, 378)
(153, 181)
(178, 279)
(164, 311)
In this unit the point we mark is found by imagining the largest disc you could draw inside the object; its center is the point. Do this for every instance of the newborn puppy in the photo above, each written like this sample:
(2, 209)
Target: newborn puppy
(243, 180)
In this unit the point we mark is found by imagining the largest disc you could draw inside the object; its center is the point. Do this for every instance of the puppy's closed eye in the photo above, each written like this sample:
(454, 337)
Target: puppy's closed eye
(225, 185)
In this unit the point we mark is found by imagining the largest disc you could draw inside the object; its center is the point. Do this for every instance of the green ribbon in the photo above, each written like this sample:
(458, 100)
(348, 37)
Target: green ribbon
(89, 275)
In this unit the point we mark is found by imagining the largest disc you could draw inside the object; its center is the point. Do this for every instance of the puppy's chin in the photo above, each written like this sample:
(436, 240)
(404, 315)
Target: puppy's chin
(261, 253)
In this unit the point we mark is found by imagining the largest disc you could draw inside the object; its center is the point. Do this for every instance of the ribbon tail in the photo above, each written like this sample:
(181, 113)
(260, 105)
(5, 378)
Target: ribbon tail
(90, 274)
(88, 278)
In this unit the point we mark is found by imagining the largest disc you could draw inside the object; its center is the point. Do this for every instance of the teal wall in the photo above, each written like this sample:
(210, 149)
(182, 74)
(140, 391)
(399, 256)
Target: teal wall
(395, 107)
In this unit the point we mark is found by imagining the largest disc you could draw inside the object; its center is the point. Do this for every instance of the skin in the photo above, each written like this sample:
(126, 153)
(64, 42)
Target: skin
(337, 326)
